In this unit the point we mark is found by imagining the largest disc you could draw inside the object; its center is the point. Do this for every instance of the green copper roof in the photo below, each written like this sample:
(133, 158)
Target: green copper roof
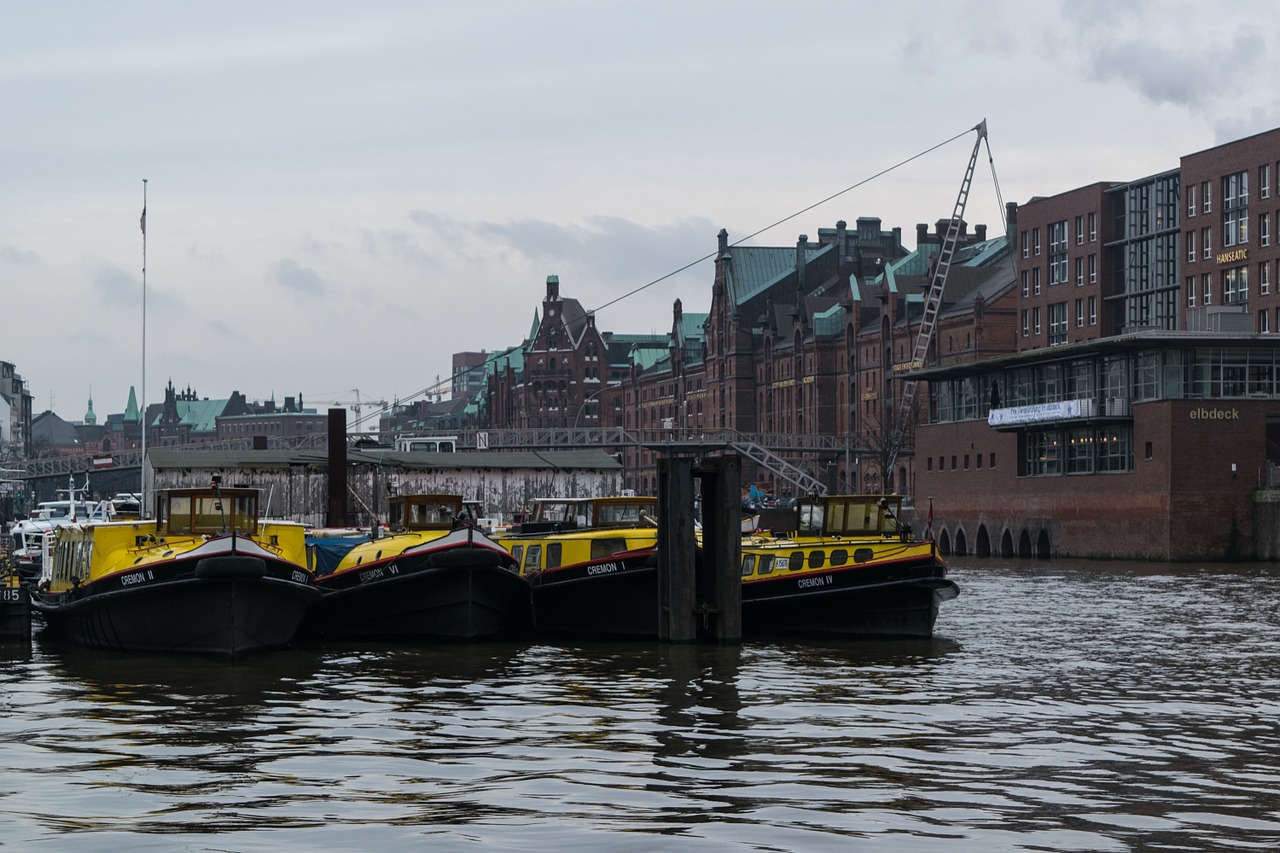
(131, 410)
(829, 322)
(754, 269)
(201, 415)
(691, 325)
(648, 356)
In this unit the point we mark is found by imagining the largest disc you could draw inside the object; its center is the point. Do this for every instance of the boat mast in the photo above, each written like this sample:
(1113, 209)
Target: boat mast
(142, 464)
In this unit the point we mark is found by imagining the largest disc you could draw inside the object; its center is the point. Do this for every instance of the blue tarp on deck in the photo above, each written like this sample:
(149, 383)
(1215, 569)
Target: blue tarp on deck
(326, 552)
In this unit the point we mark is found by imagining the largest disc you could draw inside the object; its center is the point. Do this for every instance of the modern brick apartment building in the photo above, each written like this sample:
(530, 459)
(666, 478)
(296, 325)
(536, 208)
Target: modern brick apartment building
(1150, 428)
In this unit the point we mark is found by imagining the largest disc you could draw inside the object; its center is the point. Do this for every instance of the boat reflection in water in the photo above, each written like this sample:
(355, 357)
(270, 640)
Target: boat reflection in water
(434, 576)
(842, 565)
(206, 575)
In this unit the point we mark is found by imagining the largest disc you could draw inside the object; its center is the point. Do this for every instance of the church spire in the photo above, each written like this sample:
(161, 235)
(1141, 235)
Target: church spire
(131, 415)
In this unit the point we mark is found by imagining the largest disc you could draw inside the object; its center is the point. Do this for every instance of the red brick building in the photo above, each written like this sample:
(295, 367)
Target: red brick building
(566, 374)
(1154, 433)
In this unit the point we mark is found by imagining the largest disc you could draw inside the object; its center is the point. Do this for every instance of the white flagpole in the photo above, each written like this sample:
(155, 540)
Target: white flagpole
(142, 468)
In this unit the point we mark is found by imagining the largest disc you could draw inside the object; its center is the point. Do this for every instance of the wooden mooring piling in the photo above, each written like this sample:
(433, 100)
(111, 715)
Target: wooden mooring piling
(699, 594)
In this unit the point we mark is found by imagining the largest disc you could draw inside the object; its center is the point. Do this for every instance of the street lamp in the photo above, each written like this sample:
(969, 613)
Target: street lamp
(588, 399)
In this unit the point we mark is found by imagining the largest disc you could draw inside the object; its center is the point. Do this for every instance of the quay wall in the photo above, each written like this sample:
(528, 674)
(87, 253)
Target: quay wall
(1188, 495)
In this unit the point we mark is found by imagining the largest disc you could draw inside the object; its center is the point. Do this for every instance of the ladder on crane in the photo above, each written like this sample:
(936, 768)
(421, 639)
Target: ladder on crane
(932, 304)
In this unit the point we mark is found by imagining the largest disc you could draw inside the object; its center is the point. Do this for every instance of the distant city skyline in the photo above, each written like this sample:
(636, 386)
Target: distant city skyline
(342, 197)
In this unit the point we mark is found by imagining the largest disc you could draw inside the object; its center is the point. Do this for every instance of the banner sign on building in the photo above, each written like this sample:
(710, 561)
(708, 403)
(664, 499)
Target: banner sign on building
(1035, 413)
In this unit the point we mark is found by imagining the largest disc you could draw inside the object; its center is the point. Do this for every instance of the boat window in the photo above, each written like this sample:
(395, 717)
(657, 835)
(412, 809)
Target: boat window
(748, 565)
(816, 559)
(553, 554)
(246, 514)
(839, 557)
(179, 514)
(889, 520)
(862, 555)
(797, 561)
(623, 514)
(606, 547)
(766, 564)
(516, 551)
(835, 517)
(554, 512)
(433, 514)
(210, 513)
(533, 557)
(866, 518)
(810, 519)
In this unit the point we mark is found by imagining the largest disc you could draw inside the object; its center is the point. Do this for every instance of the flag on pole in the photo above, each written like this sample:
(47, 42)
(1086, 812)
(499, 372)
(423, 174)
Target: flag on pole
(143, 221)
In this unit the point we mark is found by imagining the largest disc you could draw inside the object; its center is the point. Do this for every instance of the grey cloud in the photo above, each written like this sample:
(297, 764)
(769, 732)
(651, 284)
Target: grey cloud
(120, 290)
(607, 255)
(291, 275)
(1255, 120)
(1122, 43)
(612, 248)
(17, 257)
(114, 286)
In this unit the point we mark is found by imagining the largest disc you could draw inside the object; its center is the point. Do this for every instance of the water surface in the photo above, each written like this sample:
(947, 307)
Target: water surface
(1062, 707)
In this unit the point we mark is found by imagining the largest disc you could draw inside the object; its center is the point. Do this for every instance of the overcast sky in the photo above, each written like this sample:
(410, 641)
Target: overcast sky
(342, 195)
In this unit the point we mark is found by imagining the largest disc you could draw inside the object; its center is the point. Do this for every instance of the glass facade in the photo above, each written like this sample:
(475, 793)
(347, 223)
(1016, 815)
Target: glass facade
(1145, 255)
(1103, 387)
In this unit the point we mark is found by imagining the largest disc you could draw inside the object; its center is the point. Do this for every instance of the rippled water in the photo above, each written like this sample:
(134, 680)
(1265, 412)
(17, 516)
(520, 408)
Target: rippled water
(1063, 707)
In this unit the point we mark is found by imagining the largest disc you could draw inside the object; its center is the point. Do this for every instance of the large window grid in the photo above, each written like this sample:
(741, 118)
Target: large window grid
(1235, 209)
(1058, 252)
(1057, 324)
(1146, 376)
(1049, 453)
(1235, 286)
(1168, 374)
(1042, 453)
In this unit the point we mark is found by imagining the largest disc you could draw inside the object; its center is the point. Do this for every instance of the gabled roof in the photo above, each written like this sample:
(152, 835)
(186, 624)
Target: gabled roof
(829, 321)
(752, 270)
(692, 326)
(999, 279)
(646, 356)
(622, 346)
(512, 358)
(574, 318)
(48, 428)
(200, 415)
(917, 265)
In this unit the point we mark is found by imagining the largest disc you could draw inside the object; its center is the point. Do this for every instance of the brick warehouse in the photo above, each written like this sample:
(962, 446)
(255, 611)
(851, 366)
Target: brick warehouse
(1151, 427)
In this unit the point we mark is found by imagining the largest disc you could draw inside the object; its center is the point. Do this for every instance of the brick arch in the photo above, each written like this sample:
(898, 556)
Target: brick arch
(983, 547)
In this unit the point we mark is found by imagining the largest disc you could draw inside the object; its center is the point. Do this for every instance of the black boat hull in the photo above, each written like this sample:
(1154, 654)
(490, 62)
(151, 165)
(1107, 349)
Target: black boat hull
(213, 613)
(899, 601)
(462, 594)
(607, 598)
(15, 613)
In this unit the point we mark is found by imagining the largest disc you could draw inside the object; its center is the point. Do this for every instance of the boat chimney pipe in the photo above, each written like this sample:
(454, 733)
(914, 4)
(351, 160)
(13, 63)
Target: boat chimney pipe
(337, 515)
